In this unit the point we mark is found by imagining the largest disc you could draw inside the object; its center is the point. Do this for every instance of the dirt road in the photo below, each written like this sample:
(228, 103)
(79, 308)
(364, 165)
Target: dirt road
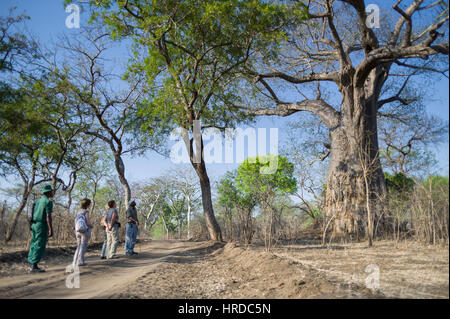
(99, 279)
(183, 269)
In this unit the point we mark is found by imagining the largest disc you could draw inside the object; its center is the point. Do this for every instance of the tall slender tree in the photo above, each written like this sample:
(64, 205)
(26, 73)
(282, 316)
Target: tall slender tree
(194, 50)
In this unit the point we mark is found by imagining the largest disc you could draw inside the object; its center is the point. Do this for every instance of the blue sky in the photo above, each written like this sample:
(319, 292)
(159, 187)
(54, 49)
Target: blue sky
(48, 21)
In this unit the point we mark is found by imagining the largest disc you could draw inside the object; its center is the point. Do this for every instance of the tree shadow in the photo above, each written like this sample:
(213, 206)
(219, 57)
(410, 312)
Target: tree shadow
(194, 255)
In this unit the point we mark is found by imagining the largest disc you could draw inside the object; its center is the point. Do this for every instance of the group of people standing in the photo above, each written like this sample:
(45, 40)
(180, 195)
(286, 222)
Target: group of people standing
(41, 228)
(111, 234)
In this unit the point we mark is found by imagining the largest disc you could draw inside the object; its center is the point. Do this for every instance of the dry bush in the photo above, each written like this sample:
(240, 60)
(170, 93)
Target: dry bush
(291, 227)
(63, 229)
(199, 231)
(21, 234)
(239, 228)
(268, 229)
(429, 211)
(421, 213)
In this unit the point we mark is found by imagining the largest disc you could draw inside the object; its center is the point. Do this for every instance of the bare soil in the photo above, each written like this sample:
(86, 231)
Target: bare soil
(185, 269)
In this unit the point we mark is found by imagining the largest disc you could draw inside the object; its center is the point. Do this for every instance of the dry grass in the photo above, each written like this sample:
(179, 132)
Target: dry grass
(407, 270)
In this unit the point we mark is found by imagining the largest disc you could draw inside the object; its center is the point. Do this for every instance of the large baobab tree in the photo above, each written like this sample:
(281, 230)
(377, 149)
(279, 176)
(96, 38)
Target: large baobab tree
(337, 50)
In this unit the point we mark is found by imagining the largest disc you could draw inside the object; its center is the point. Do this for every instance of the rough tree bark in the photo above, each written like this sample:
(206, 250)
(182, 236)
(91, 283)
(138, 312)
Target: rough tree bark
(354, 146)
(211, 222)
(345, 197)
(120, 168)
(198, 163)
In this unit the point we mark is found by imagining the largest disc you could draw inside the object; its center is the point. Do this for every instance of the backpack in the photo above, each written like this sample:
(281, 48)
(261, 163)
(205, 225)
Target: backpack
(30, 219)
(80, 223)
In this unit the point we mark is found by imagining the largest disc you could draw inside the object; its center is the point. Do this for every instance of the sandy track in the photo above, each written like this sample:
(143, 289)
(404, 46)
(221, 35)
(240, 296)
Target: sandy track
(99, 279)
(178, 269)
(187, 270)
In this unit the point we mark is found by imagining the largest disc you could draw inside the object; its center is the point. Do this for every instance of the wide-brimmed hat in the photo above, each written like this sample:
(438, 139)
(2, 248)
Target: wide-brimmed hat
(46, 189)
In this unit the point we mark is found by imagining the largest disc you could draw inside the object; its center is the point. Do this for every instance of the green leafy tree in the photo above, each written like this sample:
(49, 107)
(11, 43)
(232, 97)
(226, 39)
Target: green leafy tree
(266, 187)
(192, 53)
(16, 48)
(250, 179)
(40, 139)
(173, 214)
(21, 142)
(238, 204)
(57, 106)
(399, 182)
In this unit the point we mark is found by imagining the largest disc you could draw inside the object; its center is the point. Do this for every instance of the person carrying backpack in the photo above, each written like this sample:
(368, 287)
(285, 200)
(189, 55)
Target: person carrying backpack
(83, 227)
(41, 228)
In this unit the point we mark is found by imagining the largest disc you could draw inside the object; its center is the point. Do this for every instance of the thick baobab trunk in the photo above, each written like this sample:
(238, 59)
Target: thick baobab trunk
(355, 167)
(211, 222)
(120, 168)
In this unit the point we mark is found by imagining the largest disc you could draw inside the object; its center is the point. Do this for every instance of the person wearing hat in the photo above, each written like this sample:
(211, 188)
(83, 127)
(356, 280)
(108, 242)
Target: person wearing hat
(131, 229)
(41, 228)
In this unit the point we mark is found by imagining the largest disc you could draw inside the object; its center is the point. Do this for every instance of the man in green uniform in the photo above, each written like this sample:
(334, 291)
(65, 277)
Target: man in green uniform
(41, 228)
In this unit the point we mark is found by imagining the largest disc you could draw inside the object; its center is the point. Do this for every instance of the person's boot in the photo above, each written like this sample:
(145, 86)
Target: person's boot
(34, 269)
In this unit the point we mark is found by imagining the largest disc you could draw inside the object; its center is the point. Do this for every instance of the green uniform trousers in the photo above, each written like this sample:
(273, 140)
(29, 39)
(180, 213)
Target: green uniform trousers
(39, 239)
